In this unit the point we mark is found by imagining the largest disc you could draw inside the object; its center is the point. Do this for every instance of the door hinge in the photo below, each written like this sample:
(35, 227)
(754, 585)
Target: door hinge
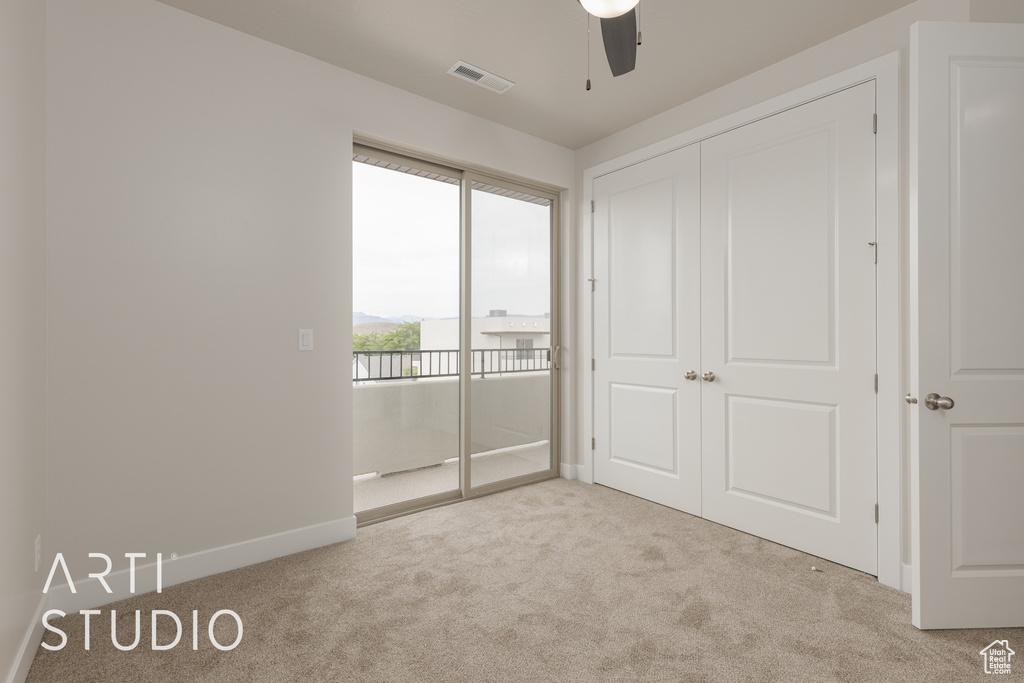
(876, 382)
(874, 245)
(591, 206)
(593, 364)
(874, 124)
(593, 443)
(876, 513)
(591, 281)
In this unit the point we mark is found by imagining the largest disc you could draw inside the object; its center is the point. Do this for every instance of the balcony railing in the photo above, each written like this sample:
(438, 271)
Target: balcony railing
(378, 366)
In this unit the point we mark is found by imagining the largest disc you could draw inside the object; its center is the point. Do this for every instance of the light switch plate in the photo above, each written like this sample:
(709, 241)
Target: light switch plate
(305, 340)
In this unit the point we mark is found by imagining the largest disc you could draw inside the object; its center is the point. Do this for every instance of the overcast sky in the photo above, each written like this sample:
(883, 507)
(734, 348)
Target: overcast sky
(405, 240)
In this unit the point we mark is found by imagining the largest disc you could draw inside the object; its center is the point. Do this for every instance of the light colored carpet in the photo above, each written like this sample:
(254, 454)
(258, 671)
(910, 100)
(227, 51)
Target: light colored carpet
(559, 581)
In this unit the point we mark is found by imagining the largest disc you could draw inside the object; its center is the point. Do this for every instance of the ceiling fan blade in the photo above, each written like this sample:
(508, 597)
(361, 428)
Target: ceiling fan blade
(619, 35)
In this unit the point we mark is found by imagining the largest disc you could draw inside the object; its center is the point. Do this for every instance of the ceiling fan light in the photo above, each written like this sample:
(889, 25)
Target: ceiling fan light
(606, 9)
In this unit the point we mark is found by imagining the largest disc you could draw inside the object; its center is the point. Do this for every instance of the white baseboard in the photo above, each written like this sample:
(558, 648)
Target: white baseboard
(584, 474)
(577, 472)
(29, 645)
(907, 578)
(90, 594)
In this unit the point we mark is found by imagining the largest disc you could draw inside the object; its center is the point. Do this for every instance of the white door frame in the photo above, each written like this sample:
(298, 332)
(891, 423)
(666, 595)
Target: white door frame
(885, 72)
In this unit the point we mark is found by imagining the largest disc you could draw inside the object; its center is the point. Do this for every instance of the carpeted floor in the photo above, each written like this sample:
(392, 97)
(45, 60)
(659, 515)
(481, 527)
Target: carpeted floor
(559, 581)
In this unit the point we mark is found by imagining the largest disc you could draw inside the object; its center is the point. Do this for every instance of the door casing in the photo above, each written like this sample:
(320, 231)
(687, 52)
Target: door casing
(885, 72)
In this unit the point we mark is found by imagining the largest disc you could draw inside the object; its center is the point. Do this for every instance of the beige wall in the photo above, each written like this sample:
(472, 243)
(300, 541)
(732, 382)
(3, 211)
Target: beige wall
(22, 318)
(200, 213)
(885, 35)
(999, 11)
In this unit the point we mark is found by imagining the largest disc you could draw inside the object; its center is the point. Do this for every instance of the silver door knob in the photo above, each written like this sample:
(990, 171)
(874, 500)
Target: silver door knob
(910, 399)
(935, 402)
(708, 376)
(691, 375)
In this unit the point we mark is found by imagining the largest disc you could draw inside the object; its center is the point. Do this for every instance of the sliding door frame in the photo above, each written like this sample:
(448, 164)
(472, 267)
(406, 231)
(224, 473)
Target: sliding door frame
(554, 439)
(468, 175)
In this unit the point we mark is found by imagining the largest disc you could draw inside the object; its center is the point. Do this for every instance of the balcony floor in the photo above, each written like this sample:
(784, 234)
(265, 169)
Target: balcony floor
(487, 467)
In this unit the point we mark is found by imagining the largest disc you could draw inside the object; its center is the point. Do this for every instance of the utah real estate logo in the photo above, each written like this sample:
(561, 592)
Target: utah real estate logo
(997, 657)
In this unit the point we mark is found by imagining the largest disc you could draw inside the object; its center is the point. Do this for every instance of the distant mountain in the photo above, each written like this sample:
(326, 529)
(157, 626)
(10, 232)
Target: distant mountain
(358, 318)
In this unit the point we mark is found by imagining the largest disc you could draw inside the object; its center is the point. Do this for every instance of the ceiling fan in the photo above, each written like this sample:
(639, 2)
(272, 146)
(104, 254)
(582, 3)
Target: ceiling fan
(618, 32)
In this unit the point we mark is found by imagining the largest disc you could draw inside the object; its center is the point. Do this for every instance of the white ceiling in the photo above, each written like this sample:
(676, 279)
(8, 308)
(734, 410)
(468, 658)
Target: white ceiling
(689, 48)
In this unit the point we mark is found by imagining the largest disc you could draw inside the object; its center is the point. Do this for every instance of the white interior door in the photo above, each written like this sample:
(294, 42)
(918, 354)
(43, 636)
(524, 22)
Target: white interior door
(967, 293)
(788, 328)
(647, 329)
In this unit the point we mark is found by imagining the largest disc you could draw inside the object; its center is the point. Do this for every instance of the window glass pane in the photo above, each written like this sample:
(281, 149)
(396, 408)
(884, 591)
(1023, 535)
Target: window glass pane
(405, 273)
(511, 334)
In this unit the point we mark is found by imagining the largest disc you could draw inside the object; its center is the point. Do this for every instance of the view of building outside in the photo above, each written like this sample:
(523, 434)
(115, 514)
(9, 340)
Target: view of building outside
(406, 271)
(406, 332)
(499, 342)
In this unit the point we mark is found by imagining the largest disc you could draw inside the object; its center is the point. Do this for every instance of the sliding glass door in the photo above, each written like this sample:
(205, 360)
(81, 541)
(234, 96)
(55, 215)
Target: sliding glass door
(455, 333)
(405, 286)
(511, 340)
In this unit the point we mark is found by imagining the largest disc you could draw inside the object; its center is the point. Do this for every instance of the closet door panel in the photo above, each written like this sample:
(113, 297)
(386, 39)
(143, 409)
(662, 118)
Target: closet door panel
(783, 226)
(788, 328)
(647, 331)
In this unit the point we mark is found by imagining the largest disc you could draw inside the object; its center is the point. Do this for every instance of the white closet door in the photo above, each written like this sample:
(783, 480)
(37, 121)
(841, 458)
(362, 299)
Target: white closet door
(647, 329)
(788, 328)
(967, 285)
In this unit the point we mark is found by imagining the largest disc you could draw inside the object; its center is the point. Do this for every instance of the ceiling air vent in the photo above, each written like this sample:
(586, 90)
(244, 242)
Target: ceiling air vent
(482, 78)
